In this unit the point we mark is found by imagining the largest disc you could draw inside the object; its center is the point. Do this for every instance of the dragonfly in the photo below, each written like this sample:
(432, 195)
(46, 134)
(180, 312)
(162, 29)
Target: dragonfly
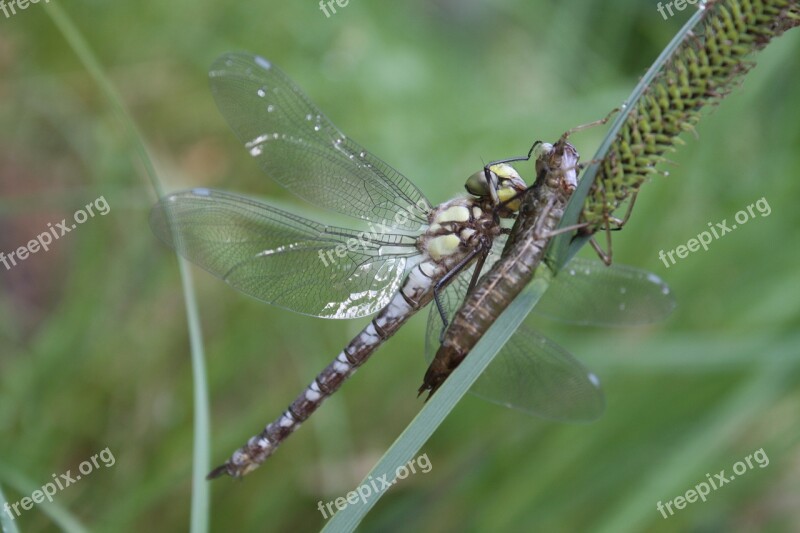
(582, 293)
(410, 256)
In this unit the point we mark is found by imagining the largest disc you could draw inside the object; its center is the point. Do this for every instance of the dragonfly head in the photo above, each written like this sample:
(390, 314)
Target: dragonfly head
(508, 185)
(561, 156)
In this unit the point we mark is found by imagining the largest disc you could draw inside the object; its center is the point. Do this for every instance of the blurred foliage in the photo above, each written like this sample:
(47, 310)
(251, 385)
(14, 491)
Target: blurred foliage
(94, 343)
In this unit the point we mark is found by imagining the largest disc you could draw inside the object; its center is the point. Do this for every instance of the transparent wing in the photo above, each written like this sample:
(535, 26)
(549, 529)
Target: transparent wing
(302, 150)
(587, 292)
(530, 373)
(281, 258)
(536, 376)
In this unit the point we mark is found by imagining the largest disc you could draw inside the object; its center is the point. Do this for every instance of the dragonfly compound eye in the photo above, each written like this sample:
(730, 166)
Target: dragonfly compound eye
(477, 185)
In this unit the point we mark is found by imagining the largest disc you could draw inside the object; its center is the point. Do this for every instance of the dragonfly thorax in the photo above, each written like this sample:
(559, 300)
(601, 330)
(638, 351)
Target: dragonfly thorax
(458, 226)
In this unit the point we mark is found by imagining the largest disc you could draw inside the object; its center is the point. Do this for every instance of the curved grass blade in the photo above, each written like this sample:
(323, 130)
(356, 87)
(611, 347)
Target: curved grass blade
(408, 444)
(7, 525)
(201, 459)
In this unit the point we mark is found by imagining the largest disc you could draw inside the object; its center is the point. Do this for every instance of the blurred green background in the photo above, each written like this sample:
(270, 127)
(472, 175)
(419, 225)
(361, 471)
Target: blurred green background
(93, 339)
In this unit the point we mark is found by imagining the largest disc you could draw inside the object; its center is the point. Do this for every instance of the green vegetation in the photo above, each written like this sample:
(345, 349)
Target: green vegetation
(95, 350)
(711, 58)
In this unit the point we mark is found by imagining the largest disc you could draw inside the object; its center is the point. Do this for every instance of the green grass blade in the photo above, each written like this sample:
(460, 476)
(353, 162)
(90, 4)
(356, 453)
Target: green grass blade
(201, 457)
(7, 525)
(201, 464)
(81, 48)
(408, 444)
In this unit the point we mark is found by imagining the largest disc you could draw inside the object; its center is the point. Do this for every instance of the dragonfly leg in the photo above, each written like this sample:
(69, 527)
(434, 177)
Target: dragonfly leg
(516, 159)
(559, 231)
(620, 223)
(478, 268)
(545, 170)
(527, 157)
(516, 196)
(442, 283)
(592, 124)
(539, 234)
(605, 257)
(488, 173)
(490, 179)
(583, 164)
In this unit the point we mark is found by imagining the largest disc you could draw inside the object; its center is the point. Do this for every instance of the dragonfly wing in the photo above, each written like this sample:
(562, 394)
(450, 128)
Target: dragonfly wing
(588, 293)
(530, 373)
(281, 258)
(302, 150)
(536, 376)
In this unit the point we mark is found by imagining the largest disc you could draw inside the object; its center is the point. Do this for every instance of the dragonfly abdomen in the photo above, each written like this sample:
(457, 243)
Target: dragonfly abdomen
(415, 293)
